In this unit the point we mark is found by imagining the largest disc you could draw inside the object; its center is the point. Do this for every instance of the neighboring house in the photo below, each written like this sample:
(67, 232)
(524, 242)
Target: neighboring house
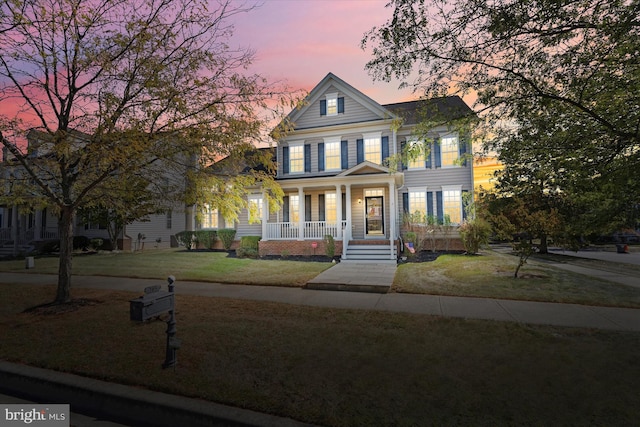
(332, 169)
(23, 229)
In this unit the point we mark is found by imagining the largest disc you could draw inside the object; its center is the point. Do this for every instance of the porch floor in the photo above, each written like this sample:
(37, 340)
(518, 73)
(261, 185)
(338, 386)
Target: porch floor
(355, 277)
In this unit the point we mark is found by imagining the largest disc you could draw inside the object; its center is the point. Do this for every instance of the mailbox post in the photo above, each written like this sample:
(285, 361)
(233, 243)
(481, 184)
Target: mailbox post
(152, 304)
(172, 342)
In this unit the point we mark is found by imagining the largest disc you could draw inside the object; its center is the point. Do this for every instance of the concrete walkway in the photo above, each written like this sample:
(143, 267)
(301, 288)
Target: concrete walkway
(356, 277)
(540, 313)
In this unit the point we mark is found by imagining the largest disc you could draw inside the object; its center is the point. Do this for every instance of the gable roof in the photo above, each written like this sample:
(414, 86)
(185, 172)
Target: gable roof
(365, 168)
(442, 109)
(344, 87)
(445, 109)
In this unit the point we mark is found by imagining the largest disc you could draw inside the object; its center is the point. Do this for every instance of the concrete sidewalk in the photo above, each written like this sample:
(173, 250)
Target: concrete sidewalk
(540, 313)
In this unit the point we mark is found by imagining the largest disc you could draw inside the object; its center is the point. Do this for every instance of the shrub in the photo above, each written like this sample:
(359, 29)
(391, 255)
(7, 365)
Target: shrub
(250, 242)
(474, 234)
(96, 243)
(50, 247)
(188, 239)
(329, 245)
(227, 235)
(206, 237)
(285, 254)
(243, 252)
(80, 242)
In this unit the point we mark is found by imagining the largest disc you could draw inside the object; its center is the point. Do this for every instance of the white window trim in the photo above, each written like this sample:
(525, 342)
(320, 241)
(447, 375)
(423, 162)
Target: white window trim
(449, 135)
(332, 140)
(326, 205)
(411, 141)
(372, 135)
(453, 188)
(291, 146)
(333, 97)
(260, 203)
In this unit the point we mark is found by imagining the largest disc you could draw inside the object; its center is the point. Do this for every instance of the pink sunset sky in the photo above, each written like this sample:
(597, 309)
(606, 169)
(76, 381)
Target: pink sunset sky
(301, 41)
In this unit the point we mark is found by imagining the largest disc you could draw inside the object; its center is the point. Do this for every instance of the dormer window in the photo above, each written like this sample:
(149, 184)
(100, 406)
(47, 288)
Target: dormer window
(332, 105)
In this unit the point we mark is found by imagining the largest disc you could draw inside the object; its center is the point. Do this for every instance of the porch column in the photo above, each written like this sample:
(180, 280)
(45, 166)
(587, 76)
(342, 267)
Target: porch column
(14, 223)
(300, 213)
(339, 210)
(37, 225)
(392, 215)
(348, 197)
(265, 215)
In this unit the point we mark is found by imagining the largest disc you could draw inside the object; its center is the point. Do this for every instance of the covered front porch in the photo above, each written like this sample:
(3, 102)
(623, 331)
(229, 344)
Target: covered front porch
(358, 204)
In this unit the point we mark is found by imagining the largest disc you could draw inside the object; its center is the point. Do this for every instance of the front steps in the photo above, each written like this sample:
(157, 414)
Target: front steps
(374, 251)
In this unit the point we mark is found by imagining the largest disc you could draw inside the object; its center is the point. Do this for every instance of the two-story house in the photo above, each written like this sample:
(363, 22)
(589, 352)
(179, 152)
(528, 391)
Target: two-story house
(25, 227)
(332, 169)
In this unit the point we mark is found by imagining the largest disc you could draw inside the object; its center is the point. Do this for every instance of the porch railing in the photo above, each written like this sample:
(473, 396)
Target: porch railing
(310, 230)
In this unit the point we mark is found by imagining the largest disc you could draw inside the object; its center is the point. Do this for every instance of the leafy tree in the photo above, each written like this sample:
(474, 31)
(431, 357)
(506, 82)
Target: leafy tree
(513, 219)
(115, 87)
(564, 73)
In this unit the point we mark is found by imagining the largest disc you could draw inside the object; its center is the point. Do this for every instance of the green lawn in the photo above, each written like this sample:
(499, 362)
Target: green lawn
(490, 275)
(338, 367)
(184, 265)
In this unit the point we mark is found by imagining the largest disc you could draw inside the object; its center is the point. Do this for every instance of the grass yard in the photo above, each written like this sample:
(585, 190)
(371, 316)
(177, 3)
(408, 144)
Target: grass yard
(338, 367)
(490, 275)
(184, 265)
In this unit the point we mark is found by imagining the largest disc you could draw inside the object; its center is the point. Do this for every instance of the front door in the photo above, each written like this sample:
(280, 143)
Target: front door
(374, 216)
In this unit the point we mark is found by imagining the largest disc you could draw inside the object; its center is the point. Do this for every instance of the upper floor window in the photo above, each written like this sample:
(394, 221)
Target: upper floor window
(332, 155)
(296, 158)
(373, 149)
(255, 209)
(332, 105)
(449, 150)
(417, 155)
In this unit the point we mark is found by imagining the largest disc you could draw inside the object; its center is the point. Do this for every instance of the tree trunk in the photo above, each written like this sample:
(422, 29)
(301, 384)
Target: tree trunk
(65, 231)
(544, 246)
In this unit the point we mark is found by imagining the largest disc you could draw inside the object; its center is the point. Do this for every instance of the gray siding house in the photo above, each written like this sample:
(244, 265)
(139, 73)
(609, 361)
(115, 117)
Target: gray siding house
(334, 170)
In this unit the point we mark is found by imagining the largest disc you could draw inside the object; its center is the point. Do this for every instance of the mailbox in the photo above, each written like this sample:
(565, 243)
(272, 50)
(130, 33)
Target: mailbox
(151, 305)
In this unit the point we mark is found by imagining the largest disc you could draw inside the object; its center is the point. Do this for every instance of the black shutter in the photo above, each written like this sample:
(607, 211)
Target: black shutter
(307, 207)
(430, 203)
(323, 107)
(285, 209)
(285, 160)
(307, 157)
(440, 207)
(321, 157)
(344, 206)
(405, 202)
(436, 153)
(360, 150)
(427, 161)
(340, 105)
(462, 146)
(403, 147)
(321, 215)
(385, 147)
(464, 211)
(344, 155)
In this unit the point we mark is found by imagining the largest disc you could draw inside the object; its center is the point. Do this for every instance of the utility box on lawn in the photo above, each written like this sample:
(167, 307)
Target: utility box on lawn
(153, 303)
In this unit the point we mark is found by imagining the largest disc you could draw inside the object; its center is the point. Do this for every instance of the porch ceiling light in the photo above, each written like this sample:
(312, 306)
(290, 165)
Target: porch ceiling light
(359, 201)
